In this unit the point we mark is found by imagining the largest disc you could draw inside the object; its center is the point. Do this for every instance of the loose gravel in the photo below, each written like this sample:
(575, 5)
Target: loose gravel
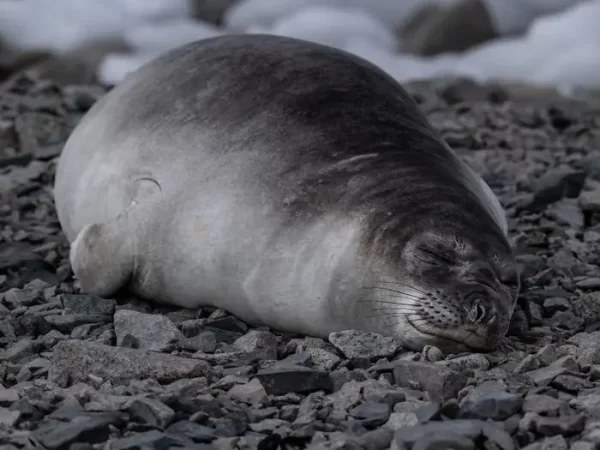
(79, 372)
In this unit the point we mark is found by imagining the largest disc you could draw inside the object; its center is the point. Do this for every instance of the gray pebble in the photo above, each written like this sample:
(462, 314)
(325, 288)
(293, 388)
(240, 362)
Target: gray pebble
(490, 401)
(151, 412)
(441, 383)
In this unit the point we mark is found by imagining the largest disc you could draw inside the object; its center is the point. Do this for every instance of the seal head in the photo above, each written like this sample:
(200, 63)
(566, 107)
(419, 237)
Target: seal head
(452, 291)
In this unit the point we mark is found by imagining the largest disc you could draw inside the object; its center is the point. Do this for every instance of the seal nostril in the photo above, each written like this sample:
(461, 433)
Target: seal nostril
(477, 313)
(482, 311)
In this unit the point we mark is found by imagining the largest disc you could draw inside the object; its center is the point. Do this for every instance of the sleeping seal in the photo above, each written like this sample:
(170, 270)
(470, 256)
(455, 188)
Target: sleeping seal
(296, 186)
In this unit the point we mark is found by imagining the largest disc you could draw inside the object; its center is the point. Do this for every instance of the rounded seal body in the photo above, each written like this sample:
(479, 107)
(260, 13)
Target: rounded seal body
(293, 184)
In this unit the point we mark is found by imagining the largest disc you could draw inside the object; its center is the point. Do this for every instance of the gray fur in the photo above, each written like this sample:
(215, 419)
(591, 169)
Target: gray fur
(294, 185)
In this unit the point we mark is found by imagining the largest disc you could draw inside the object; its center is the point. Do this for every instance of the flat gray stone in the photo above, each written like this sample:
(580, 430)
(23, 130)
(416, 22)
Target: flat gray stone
(362, 344)
(251, 392)
(440, 382)
(90, 427)
(153, 332)
(74, 360)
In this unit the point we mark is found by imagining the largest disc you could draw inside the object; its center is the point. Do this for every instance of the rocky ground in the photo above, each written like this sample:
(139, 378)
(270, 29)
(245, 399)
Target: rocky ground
(78, 372)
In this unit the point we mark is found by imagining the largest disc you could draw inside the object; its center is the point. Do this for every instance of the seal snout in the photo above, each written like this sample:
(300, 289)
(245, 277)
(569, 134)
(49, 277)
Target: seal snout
(479, 310)
(481, 316)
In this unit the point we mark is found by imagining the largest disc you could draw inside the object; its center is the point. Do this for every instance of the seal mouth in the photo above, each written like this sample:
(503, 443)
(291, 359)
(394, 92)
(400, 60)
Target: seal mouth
(464, 338)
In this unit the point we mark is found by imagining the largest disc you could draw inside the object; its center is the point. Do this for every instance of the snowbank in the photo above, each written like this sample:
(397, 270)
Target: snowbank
(559, 44)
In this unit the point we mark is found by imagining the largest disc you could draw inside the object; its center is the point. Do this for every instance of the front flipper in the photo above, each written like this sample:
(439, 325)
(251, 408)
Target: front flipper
(102, 258)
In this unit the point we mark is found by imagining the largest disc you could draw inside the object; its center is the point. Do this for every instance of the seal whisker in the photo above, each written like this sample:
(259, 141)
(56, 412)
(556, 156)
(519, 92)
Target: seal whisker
(391, 290)
(406, 285)
(422, 321)
(398, 307)
(385, 302)
(396, 297)
(389, 315)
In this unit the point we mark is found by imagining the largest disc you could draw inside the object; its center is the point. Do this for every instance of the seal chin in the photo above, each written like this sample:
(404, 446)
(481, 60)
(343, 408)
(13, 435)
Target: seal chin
(465, 338)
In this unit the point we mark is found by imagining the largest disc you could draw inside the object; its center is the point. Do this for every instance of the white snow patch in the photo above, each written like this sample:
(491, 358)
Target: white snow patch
(559, 42)
(335, 27)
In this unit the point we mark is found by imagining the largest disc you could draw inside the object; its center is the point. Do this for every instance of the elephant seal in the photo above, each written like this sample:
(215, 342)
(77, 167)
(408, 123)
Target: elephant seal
(293, 184)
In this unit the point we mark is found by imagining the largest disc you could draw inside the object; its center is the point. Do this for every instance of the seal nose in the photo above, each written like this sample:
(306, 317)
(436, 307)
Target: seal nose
(478, 313)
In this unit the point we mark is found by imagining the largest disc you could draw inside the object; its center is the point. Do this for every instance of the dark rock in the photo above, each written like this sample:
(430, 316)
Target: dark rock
(371, 415)
(550, 443)
(252, 392)
(302, 380)
(449, 409)
(80, 98)
(20, 297)
(570, 383)
(543, 405)
(553, 305)
(471, 429)
(302, 359)
(229, 323)
(68, 322)
(194, 431)
(31, 325)
(205, 342)
(67, 412)
(547, 354)
(151, 412)
(550, 426)
(211, 11)
(20, 350)
(228, 426)
(26, 409)
(497, 437)
(88, 304)
(556, 185)
(431, 411)
(152, 440)
(445, 440)
(490, 401)
(90, 428)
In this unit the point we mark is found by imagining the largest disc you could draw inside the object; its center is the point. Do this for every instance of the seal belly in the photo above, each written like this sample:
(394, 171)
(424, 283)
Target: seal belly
(231, 248)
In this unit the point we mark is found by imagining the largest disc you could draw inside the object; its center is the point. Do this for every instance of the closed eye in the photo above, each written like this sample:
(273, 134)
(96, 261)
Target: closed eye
(433, 257)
